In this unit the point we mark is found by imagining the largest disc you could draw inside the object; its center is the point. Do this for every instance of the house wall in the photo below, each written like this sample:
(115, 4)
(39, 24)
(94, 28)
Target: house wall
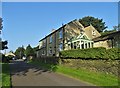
(113, 42)
(117, 41)
(102, 44)
(89, 32)
(71, 30)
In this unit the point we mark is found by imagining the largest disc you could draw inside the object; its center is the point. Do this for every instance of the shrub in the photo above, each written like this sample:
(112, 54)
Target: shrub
(91, 53)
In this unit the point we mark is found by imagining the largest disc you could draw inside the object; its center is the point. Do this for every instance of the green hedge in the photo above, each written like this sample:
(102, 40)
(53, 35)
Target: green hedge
(92, 53)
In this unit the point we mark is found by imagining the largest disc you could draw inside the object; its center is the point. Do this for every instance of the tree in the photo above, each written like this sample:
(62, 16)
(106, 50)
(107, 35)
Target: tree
(95, 22)
(20, 52)
(35, 49)
(29, 51)
(117, 28)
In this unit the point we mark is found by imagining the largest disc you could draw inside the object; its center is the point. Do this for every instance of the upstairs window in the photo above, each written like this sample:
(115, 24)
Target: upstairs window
(61, 47)
(44, 42)
(50, 51)
(50, 38)
(93, 33)
(61, 34)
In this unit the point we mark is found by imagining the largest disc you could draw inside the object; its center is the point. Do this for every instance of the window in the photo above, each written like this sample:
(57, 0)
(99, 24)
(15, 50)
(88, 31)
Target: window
(50, 38)
(44, 43)
(93, 33)
(89, 45)
(61, 34)
(71, 45)
(75, 45)
(82, 46)
(61, 47)
(43, 53)
(50, 52)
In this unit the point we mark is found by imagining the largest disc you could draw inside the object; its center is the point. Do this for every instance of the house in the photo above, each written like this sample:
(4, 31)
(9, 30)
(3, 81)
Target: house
(70, 36)
(111, 40)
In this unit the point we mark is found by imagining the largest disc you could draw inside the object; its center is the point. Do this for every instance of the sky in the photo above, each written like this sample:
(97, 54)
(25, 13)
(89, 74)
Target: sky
(60, 0)
(27, 22)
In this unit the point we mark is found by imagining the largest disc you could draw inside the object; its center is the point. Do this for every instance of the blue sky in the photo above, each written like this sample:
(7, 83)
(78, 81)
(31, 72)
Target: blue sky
(26, 23)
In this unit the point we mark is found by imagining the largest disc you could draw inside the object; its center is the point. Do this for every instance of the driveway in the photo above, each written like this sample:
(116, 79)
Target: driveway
(24, 74)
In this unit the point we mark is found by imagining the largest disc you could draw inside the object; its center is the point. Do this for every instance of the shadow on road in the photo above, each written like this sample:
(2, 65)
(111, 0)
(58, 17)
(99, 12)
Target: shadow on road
(19, 67)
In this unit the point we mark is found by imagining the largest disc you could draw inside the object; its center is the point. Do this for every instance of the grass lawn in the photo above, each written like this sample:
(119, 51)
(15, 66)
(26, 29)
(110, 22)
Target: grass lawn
(95, 78)
(5, 75)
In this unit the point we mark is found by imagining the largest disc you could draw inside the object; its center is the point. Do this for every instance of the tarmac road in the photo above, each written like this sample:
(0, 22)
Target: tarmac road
(23, 74)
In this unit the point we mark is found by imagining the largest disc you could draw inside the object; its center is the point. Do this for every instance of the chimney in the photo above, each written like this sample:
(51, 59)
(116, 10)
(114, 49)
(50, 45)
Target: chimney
(53, 30)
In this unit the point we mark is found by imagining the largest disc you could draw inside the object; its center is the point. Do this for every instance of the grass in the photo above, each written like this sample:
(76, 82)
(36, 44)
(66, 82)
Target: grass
(95, 78)
(5, 76)
(99, 79)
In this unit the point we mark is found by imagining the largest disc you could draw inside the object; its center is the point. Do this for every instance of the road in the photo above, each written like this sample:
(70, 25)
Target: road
(24, 74)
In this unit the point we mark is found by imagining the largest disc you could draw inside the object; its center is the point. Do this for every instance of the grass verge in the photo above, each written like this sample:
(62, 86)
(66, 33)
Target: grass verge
(95, 78)
(5, 75)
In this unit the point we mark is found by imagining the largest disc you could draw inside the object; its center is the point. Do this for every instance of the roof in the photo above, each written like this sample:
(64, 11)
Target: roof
(108, 36)
(53, 32)
(10, 53)
(74, 21)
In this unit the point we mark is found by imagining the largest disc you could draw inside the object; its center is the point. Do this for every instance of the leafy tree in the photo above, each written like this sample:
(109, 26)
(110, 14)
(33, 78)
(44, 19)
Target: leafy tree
(35, 49)
(20, 52)
(29, 51)
(116, 27)
(11, 51)
(97, 23)
(108, 32)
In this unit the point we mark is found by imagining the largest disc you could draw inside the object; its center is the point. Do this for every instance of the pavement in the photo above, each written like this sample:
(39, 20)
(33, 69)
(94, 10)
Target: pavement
(24, 74)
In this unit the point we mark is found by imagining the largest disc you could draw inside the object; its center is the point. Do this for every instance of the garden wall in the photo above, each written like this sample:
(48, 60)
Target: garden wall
(105, 66)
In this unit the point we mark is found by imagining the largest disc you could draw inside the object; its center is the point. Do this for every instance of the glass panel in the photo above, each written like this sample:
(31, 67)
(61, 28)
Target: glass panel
(75, 45)
(50, 38)
(89, 44)
(82, 46)
(60, 34)
(61, 47)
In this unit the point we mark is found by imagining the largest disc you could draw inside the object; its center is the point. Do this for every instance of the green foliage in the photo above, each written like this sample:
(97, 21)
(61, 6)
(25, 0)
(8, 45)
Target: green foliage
(116, 27)
(97, 23)
(91, 53)
(5, 76)
(19, 52)
(4, 59)
(9, 57)
(29, 51)
(107, 32)
(36, 48)
(96, 78)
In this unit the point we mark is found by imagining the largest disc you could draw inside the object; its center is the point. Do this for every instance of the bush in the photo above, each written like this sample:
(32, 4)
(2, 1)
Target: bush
(92, 53)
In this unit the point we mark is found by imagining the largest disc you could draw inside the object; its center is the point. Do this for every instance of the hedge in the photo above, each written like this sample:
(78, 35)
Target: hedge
(92, 53)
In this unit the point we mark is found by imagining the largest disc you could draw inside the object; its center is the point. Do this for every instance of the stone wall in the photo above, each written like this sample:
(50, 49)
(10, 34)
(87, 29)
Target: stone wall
(105, 66)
